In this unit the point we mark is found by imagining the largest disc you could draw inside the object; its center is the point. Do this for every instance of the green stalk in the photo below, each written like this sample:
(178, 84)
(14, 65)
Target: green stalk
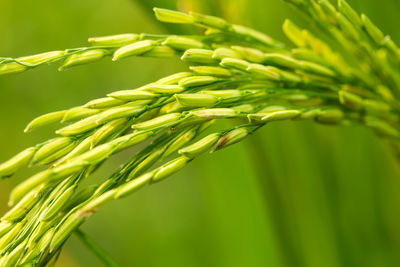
(98, 251)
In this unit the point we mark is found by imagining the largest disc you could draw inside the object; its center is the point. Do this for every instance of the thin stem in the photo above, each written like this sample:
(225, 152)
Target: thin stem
(96, 249)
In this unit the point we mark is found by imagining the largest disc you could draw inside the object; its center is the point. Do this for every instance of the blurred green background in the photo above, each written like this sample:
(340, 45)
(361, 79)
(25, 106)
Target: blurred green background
(294, 194)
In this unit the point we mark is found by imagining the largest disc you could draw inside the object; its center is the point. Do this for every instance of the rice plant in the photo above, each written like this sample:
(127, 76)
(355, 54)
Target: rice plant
(343, 72)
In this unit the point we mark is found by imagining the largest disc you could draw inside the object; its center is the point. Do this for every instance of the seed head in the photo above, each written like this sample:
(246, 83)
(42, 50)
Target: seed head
(120, 39)
(134, 49)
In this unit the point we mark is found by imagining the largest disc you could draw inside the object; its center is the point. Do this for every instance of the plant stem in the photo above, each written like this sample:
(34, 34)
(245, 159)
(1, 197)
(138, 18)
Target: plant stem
(96, 249)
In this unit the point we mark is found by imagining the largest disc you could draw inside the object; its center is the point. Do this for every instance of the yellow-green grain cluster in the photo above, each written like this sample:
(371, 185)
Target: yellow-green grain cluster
(234, 72)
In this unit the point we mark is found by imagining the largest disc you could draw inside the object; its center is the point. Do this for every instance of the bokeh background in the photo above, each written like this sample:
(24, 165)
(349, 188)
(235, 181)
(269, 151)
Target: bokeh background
(294, 194)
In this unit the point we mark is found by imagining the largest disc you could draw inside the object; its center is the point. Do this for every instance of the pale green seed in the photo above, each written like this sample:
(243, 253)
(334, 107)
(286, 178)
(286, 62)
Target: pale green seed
(10, 260)
(97, 202)
(77, 113)
(160, 51)
(194, 81)
(231, 138)
(5, 227)
(163, 88)
(349, 12)
(245, 108)
(316, 69)
(42, 58)
(164, 120)
(308, 55)
(146, 163)
(85, 57)
(328, 9)
(51, 147)
(189, 120)
(120, 39)
(211, 31)
(17, 162)
(272, 108)
(23, 206)
(45, 119)
(259, 36)
(348, 28)
(200, 146)
(44, 241)
(374, 32)
(82, 147)
(350, 100)
(170, 168)
(182, 43)
(215, 113)
(58, 154)
(130, 95)
(171, 16)
(297, 97)
(107, 130)
(377, 107)
(256, 117)
(132, 139)
(171, 108)
(174, 78)
(82, 196)
(310, 114)
(39, 248)
(250, 54)
(119, 112)
(281, 61)
(95, 155)
(286, 76)
(80, 126)
(102, 188)
(37, 233)
(267, 72)
(204, 56)
(274, 74)
(134, 49)
(11, 68)
(211, 71)
(7, 238)
(182, 140)
(27, 185)
(332, 115)
(134, 185)
(196, 100)
(281, 115)
(223, 52)
(294, 33)
(15, 67)
(205, 125)
(68, 226)
(235, 63)
(209, 21)
(105, 102)
(64, 170)
(223, 93)
(58, 204)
